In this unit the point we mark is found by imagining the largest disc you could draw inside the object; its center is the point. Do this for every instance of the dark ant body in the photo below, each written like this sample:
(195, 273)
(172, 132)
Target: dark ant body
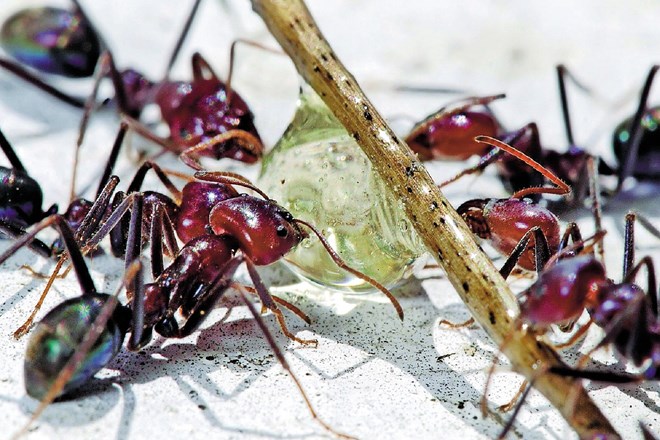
(52, 40)
(204, 109)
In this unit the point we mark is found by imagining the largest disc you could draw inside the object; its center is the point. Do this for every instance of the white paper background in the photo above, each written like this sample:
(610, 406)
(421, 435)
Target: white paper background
(371, 376)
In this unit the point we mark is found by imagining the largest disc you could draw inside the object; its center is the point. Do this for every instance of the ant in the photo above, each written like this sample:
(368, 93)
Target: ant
(449, 134)
(567, 287)
(505, 223)
(80, 336)
(191, 215)
(20, 207)
(204, 109)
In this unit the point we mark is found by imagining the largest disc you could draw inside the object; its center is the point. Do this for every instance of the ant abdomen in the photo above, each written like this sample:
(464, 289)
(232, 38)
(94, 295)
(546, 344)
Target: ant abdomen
(20, 198)
(52, 40)
(60, 333)
(647, 165)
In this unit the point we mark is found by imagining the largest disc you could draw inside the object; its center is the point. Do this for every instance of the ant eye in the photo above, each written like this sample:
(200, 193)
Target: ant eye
(281, 231)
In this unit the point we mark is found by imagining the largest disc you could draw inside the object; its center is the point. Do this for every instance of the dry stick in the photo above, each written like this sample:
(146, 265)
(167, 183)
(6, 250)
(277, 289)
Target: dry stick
(445, 234)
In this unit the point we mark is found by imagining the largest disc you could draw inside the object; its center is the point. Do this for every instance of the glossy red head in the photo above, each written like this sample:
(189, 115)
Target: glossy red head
(265, 231)
(504, 222)
(561, 293)
(451, 136)
(198, 111)
(198, 198)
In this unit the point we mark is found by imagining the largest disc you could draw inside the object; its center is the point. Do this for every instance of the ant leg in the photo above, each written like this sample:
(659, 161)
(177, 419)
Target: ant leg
(29, 77)
(218, 145)
(575, 337)
(232, 53)
(646, 433)
(99, 74)
(522, 394)
(561, 71)
(455, 325)
(651, 288)
(629, 243)
(112, 158)
(15, 231)
(572, 233)
(342, 264)
(269, 303)
(138, 180)
(596, 375)
(11, 154)
(280, 357)
(541, 252)
(146, 133)
(27, 325)
(636, 131)
(494, 155)
(181, 39)
(561, 187)
(156, 239)
(82, 236)
(596, 205)
(511, 403)
(287, 305)
(491, 157)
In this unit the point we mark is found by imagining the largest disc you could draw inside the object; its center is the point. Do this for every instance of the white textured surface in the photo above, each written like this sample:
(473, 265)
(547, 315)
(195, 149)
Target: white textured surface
(371, 376)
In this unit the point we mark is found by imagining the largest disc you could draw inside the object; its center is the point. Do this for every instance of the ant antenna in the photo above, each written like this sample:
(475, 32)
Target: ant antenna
(229, 178)
(561, 187)
(342, 264)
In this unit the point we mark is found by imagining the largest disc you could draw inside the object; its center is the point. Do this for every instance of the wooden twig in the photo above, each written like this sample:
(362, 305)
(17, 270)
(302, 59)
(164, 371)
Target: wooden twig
(445, 234)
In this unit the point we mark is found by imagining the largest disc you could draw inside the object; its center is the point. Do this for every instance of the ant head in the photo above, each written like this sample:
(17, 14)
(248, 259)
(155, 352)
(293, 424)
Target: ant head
(203, 109)
(450, 136)
(473, 212)
(505, 221)
(264, 230)
(562, 292)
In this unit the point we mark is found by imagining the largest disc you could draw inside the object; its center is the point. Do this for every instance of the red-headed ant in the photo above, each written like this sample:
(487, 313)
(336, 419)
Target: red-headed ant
(627, 314)
(205, 109)
(82, 335)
